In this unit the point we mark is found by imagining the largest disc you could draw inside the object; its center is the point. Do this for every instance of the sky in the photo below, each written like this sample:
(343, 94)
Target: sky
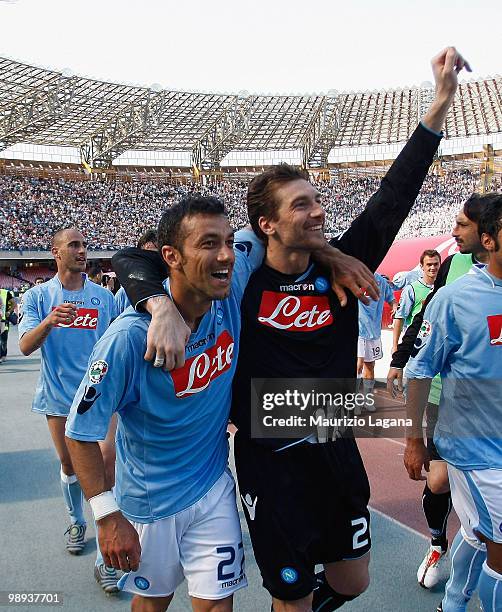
(261, 46)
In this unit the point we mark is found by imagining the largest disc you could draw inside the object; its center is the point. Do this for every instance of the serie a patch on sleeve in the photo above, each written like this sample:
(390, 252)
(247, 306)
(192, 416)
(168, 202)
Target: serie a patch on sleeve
(97, 371)
(423, 333)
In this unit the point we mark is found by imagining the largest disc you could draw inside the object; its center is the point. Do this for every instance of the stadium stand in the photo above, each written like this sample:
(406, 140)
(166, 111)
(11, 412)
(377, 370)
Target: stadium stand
(114, 214)
(96, 123)
(10, 282)
(30, 274)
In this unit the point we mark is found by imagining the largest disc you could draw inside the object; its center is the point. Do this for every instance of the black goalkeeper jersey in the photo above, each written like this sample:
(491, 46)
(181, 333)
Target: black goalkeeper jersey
(293, 325)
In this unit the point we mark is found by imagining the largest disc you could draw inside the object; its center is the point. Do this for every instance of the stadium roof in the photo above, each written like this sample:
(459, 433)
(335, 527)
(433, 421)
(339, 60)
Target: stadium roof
(104, 120)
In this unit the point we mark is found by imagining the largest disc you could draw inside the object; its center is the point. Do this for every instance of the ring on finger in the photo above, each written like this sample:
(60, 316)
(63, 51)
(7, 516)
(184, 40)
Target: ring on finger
(159, 361)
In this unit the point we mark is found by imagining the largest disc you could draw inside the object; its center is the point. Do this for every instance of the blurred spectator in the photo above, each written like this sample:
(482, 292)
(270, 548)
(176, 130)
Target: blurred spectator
(95, 274)
(116, 213)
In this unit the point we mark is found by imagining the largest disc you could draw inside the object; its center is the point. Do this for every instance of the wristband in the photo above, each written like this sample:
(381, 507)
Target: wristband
(103, 505)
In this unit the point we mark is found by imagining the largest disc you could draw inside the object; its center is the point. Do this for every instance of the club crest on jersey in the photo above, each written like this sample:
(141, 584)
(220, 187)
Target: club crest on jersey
(87, 318)
(289, 575)
(219, 315)
(95, 301)
(304, 313)
(97, 371)
(495, 329)
(321, 284)
(142, 583)
(198, 372)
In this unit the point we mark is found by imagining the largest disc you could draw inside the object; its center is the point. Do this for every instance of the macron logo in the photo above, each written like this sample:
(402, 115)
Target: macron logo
(248, 502)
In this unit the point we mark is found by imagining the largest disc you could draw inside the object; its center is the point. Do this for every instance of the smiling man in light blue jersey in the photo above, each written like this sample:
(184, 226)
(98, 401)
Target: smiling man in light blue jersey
(369, 345)
(173, 483)
(65, 317)
(461, 338)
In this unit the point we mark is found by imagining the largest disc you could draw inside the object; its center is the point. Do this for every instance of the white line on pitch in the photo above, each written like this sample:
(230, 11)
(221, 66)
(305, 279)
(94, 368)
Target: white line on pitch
(398, 523)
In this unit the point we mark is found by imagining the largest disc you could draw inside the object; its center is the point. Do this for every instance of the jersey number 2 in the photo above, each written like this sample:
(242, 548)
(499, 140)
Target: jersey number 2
(357, 542)
(229, 550)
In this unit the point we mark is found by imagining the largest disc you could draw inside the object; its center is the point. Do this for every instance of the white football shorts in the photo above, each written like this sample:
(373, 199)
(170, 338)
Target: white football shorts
(369, 349)
(477, 499)
(202, 543)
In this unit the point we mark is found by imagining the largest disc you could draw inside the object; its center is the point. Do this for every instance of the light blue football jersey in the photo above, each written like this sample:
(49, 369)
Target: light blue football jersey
(121, 301)
(461, 339)
(171, 440)
(66, 350)
(370, 316)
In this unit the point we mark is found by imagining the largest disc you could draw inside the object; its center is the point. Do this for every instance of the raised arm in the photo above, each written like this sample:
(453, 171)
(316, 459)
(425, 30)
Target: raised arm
(445, 66)
(373, 231)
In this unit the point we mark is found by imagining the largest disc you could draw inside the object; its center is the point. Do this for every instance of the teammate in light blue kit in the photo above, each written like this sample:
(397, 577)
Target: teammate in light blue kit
(65, 317)
(172, 478)
(121, 301)
(147, 242)
(461, 338)
(369, 346)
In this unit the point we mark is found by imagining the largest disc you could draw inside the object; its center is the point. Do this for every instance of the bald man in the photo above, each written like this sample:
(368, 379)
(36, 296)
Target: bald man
(65, 317)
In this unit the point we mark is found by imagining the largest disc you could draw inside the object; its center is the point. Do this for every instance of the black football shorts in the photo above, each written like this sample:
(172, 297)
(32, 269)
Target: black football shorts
(304, 505)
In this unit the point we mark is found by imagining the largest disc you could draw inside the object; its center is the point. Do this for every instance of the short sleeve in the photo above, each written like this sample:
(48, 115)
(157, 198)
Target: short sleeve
(405, 303)
(437, 338)
(108, 385)
(388, 293)
(249, 253)
(30, 313)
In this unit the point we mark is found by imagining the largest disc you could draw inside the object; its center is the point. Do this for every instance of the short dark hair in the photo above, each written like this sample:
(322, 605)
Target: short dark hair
(56, 237)
(490, 221)
(95, 269)
(476, 204)
(149, 236)
(429, 253)
(169, 230)
(261, 201)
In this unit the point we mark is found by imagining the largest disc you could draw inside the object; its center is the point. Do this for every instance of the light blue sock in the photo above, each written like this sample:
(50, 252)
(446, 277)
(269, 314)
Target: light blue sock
(73, 497)
(490, 589)
(368, 384)
(466, 563)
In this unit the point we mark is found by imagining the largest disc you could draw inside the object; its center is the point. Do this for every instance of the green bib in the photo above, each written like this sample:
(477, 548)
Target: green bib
(421, 292)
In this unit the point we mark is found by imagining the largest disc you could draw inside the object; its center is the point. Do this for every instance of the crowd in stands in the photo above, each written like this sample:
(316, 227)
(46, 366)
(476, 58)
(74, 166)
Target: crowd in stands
(113, 214)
